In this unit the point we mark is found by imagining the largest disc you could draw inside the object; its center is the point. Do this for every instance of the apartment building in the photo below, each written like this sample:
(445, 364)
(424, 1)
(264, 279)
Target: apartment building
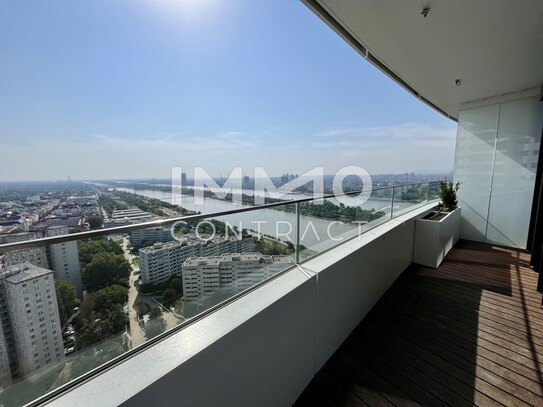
(31, 330)
(234, 272)
(64, 259)
(160, 262)
(34, 255)
(159, 234)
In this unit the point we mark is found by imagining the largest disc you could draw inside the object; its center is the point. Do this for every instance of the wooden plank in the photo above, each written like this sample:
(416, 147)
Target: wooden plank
(357, 371)
(467, 333)
(367, 394)
(313, 395)
(388, 344)
(337, 390)
(459, 312)
(516, 300)
(513, 327)
(460, 333)
(467, 368)
(407, 384)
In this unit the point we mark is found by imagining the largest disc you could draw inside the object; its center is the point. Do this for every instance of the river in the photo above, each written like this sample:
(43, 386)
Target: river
(315, 233)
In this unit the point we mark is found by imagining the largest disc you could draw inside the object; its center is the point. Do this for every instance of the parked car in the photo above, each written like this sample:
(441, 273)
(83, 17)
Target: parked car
(68, 338)
(69, 350)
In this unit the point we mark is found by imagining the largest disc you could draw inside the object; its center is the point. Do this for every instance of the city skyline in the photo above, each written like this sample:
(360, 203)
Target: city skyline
(139, 88)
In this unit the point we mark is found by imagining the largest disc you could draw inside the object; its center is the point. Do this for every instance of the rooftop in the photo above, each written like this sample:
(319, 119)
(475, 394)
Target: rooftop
(160, 246)
(23, 272)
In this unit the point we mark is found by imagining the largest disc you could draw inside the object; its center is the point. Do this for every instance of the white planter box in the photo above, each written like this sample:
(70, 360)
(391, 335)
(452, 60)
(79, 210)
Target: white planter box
(434, 238)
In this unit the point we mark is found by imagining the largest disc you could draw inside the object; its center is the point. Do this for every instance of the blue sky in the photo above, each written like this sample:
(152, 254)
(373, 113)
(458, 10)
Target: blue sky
(111, 89)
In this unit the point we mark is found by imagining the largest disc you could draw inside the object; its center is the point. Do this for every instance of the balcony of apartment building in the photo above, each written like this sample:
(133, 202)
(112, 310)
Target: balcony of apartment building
(358, 322)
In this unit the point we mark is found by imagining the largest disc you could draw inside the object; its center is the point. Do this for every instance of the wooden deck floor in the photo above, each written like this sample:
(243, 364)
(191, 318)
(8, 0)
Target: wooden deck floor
(468, 333)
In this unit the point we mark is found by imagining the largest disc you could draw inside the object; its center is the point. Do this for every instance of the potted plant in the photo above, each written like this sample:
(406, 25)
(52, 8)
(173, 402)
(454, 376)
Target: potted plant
(437, 232)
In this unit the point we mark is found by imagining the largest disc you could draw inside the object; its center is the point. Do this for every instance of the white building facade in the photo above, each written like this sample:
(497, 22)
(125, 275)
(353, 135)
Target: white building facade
(35, 255)
(65, 259)
(234, 272)
(160, 262)
(32, 308)
(160, 234)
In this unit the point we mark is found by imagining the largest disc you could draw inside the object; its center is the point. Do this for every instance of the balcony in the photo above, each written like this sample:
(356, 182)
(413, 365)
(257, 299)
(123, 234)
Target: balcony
(468, 333)
(354, 322)
(371, 230)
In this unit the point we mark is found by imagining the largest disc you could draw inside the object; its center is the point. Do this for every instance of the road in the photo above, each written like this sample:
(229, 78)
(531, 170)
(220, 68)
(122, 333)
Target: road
(134, 297)
(136, 332)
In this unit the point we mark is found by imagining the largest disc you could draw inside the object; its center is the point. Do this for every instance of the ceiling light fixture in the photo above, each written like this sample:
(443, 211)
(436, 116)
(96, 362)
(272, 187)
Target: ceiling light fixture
(458, 82)
(425, 11)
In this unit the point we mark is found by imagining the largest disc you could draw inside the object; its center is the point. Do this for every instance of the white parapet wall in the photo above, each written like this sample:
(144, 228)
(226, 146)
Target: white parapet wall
(353, 277)
(265, 347)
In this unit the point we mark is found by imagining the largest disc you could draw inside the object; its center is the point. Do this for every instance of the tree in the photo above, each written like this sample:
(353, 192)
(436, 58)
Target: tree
(87, 306)
(106, 297)
(147, 243)
(169, 294)
(95, 222)
(148, 288)
(94, 330)
(88, 249)
(116, 316)
(156, 324)
(290, 248)
(142, 308)
(104, 270)
(155, 312)
(155, 327)
(177, 285)
(65, 298)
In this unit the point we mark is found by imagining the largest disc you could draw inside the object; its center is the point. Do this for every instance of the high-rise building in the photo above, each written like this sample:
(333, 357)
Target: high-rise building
(5, 370)
(32, 337)
(65, 259)
(160, 234)
(36, 255)
(201, 277)
(220, 245)
(160, 262)
(234, 272)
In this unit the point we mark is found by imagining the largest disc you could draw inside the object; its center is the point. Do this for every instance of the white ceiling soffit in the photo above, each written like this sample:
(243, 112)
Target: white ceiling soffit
(494, 47)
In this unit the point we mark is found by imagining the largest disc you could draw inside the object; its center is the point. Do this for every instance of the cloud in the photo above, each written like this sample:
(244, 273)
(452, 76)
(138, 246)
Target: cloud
(186, 141)
(388, 149)
(158, 138)
(400, 131)
(338, 132)
(384, 149)
(230, 135)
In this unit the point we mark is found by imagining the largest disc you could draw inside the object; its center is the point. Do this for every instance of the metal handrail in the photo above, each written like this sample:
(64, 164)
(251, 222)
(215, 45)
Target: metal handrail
(8, 247)
(57, 392)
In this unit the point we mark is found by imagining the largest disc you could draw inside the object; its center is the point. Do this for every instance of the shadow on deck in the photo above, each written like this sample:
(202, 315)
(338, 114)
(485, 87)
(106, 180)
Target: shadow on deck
(468, 333)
